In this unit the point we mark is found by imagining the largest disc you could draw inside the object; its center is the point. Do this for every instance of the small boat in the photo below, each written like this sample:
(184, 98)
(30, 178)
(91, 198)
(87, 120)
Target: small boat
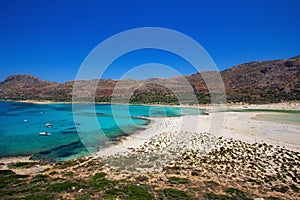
(48, 125)
(25, 120)
(44, 133)
(206, 113)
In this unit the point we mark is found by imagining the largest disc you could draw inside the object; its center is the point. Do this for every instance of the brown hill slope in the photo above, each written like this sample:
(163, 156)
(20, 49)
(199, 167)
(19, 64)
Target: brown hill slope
(23, 87)
(254, 82)
(269, 81)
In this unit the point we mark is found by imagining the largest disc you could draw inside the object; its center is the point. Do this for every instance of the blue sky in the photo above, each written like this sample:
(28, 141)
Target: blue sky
(51, 38)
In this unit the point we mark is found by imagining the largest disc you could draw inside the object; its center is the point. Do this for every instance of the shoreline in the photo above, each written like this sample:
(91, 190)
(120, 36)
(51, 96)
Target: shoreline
(135, 139)
(241, 126)
(248, 130)
(289, 105)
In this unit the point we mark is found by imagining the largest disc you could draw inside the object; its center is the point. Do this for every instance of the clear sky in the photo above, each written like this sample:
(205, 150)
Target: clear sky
(51, 38)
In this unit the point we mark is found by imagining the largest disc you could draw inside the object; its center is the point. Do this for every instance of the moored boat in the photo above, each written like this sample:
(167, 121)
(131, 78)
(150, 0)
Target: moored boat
(48, 125)
(44, 133)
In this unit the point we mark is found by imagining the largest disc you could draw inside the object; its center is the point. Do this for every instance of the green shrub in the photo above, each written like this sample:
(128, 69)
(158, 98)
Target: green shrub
(282, 189)
(173, 194)
(22, 165)
(6, 172)
(98, 181)
(235, 191)
(3, 183)
(20, 176)
(111, 193)
(177, 180)
(83, 197)
(37, 197)
(212, 196)
(59, 187)
(69, 174)
(294, 187)
(100, 175)
(212, 183)
(141, 178)
(53, 173)
(133, 192)
(195, 173)
(129, 192)
(103, 184)
(40, 177)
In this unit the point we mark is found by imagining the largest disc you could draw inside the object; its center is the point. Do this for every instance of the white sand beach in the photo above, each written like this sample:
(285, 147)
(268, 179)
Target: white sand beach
(231, 125)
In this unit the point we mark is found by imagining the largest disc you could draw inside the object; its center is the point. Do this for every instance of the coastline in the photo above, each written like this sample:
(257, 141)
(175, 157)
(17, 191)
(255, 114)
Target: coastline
(241, 126)
(246, 130)
(137, 139)
(246, 155)
(292, 105)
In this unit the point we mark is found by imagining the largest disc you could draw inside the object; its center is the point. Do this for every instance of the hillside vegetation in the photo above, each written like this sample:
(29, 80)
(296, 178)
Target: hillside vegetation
(253, 82)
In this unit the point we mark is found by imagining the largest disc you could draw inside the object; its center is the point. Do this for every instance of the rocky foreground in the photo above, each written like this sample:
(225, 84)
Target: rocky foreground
(200, 167)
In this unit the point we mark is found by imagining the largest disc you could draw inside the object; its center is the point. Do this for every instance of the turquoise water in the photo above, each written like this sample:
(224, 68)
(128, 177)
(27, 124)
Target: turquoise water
(264, 110)
(293, 119)
(281, 116)
(20, 124)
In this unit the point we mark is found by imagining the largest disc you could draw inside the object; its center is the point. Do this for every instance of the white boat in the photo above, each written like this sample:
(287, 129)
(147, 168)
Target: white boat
(44, 133)
(48, 125)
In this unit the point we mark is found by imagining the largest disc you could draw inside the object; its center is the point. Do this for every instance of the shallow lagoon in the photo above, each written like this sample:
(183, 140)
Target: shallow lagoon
(279, 116)
(293, 119)
(20, 124)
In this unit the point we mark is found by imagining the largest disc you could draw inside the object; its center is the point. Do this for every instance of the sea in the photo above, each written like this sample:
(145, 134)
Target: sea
(21, 123)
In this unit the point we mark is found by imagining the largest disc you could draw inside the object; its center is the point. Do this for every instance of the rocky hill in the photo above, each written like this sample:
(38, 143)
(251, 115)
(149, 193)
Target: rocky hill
(269, 81)
(23, 87)
(253, 82)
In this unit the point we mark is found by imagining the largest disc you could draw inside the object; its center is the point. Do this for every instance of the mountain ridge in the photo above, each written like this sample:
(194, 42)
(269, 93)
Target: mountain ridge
(251, 82)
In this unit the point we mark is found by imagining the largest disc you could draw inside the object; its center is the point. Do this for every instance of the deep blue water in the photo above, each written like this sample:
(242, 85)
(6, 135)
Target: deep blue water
(20, 124)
